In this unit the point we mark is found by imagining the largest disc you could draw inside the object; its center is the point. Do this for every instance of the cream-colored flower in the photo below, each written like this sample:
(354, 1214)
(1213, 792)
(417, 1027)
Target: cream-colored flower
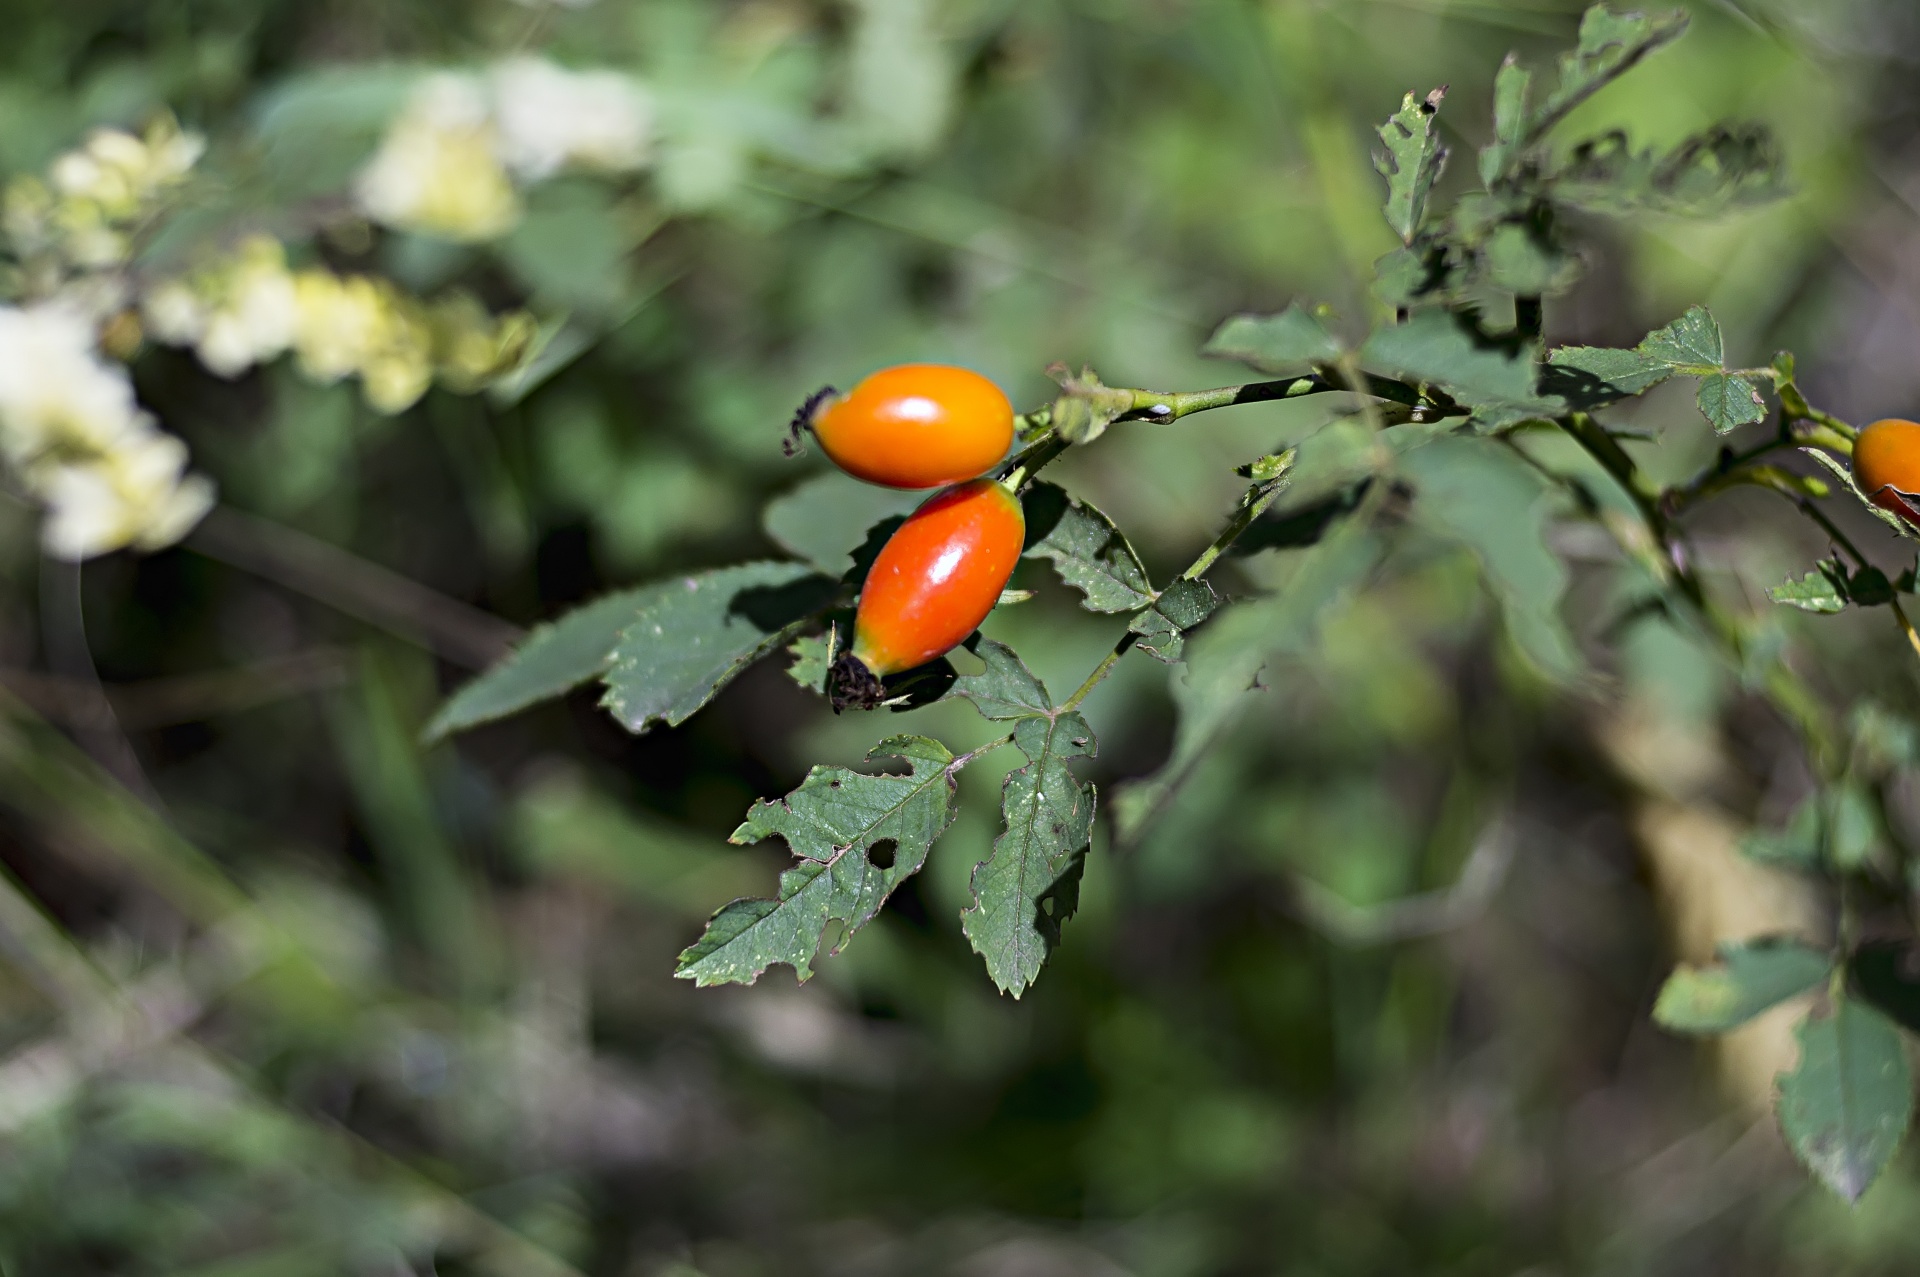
(138, 494)
(57, 396)
(338, 323)
(551, 117)
(174, 313)
(236, 313)
(437, 170)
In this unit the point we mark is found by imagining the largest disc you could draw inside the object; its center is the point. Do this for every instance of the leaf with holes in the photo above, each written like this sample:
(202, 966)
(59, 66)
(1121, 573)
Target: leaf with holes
(838, 823)
(1287, 342)
(552, 661)
(1006, 688)
(1728, 166)
(1749, 978)
(1822, 590)
(1412, 161)
(696, 632)
(1610, 45)
(1845, 1107)
(1030, 885)
(1088, 552)
(1163, 627)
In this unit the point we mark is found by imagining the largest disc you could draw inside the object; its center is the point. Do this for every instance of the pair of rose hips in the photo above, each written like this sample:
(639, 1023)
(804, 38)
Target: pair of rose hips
(942, 571)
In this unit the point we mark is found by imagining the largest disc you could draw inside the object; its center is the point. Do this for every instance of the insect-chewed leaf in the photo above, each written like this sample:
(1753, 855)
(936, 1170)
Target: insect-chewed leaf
(1592, 376)
(1441, 347)
(1163, 627)
(1291, 340)
(1730, 402)
(1610, 44)
(553, 660)
(1822, 590)
(1749, 978)
(1412, 161)
(835, 823)
(824, 519)
(695, 633)
(1006, 688)
(1088, 552)
(1725, 167)
(1887, 976)
(812, 658)
(1845, 1107)
(1483, 496)
(1030, 884)
(1509, 119)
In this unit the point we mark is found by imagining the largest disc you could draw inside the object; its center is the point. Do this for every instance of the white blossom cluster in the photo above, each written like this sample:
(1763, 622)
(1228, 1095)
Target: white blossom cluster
(248, 307)
(452, 163)
(76, 441)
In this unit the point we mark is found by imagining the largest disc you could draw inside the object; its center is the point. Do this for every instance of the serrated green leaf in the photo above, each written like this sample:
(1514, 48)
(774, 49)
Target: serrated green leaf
(1610, 44)
(1163, 627)
(812, 658)
(1224, 661)
(551, 661)
(1412, 161)
(1480, 494)
(1006, 688)
(835, 823)
(1441, 347)
(826, 518)
(1510, 89)
(1591, 376)
(1030, 885)
(1796, 846)
(1409, 275)
(1750, 977)
(1728, 166)
(1887, 976)
(1822, 590)
(1087, 551)
(1692, 341)
(1730, 402)
(696, 632)
(1287, 342)
(1845, 1107)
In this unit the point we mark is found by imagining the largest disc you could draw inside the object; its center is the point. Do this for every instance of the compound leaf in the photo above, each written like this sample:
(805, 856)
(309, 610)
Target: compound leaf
(1293, 339)
(1610, 44)
(1845, 1107)
(1006, 688)
(1030, 884)
(1749, 978)
(837, 824)
(693, 634)
(551, 661)
(1087, 551)
(1412, 161)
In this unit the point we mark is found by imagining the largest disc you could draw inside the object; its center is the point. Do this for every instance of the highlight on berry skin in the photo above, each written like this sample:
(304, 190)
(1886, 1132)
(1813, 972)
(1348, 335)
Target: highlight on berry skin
(932, 584)
(1886, 466)
(911, 426)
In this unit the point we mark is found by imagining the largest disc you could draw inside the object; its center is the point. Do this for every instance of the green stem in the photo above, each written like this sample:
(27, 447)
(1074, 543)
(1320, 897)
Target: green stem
(1100, 671)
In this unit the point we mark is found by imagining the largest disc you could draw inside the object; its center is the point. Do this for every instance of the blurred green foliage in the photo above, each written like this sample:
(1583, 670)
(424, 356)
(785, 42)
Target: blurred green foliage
(342, 1003)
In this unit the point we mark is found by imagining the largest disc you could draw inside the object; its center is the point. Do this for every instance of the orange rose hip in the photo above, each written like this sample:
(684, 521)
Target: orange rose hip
(913, 426)
(1886, 465)
(931, 585)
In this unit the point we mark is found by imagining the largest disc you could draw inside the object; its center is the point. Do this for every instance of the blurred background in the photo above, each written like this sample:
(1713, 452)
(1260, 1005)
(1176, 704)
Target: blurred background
(284, 993)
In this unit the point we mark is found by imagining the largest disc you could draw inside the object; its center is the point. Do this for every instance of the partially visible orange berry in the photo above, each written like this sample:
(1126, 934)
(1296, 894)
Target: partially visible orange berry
(914, 426)
(1886, 465)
